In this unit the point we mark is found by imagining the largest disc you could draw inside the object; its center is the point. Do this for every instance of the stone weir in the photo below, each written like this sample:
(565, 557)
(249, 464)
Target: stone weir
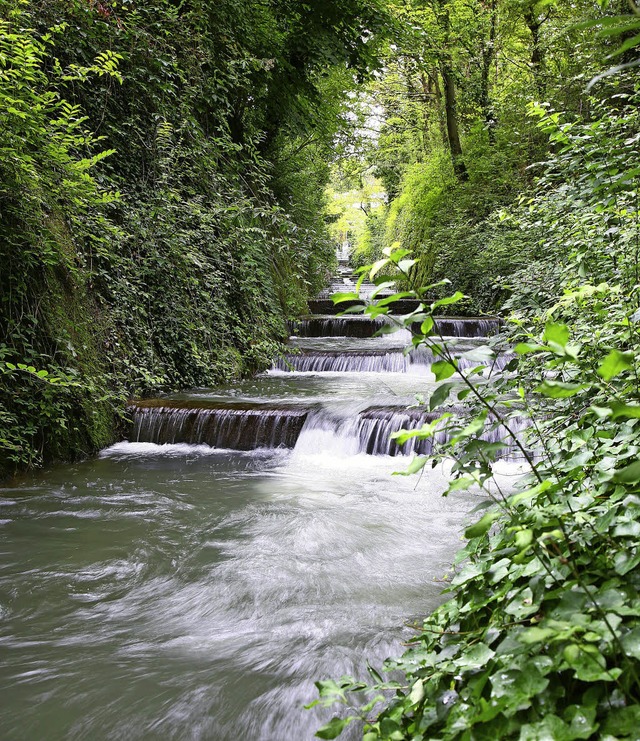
(249, 427)
(375, 426)
(326, 306)
(238, 427)
(418, 361)
(363, 326)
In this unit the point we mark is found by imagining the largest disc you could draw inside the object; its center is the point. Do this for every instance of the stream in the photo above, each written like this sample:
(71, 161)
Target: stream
(193, 582)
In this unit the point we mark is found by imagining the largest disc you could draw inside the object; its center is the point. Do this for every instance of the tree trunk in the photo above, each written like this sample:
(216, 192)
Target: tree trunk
(488, 55)
(450, 101)
(432, 92)
(537, 55)
(453, 130)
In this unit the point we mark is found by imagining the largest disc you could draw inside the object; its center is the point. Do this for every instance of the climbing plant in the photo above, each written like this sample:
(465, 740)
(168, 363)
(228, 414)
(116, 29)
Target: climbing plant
(161, 187)
(539, 636)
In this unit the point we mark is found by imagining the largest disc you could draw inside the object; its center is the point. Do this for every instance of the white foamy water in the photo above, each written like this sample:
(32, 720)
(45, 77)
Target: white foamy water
(183, 591)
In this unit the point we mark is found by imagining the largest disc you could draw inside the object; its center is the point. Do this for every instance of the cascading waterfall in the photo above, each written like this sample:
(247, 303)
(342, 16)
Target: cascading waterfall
(417, 361)
(364, 429)
(335, 326)
(363, 326)
(238, 429)
(369, 431)
(466, 326)
(245, 542)
(355, 362)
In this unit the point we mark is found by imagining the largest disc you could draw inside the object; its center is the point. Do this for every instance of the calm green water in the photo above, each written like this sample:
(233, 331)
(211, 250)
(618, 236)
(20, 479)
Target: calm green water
(182, 592)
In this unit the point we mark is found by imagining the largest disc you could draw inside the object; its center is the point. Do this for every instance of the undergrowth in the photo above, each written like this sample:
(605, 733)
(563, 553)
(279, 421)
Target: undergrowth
(540, 635)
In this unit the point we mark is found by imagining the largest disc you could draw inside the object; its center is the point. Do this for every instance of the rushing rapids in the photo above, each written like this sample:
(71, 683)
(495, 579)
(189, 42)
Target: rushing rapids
(196, 580)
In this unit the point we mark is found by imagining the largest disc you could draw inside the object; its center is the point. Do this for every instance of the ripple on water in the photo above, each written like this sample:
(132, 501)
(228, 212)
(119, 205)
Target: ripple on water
(186, 592)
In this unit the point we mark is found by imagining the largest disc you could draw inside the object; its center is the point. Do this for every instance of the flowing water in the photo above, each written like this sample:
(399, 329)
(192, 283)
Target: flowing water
(194, 582)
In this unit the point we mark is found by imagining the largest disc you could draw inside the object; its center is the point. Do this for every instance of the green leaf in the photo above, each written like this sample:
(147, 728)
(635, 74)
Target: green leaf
(339, 298)
(417, 692)
(523, 538)
(405, 265)
(333, 728)
(356, 309)
(550, 728)
(631, 643)
(615, 363)
(556, 333)
(427, 325)
(629, 474)
(475, 657)
(519, 685)
(329, 688)
(587, 662)
(395, 297)
(537, 634)
(441, 394)
(582, 720)
(624, 411)
(377, 267)
(448, 300)
(482, 526)
(374, 310)
(426, 431)
(473, 428)
(482, 353)
(626, 45)
(624, 561)
(522, 348)
(622, 722)
(383, 283)
(395, 252)
(462, 483)
(417, 464)
(443, 369)
(560, 389)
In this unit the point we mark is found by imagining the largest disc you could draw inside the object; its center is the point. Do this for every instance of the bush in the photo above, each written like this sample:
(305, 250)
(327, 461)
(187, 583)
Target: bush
(539, 637)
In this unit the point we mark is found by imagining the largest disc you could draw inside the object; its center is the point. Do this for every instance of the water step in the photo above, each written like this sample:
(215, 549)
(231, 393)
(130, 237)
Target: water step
(364, 326)
(326, 306)
(330, 361)
(335, 326)
(345, 284)
(376, 424)
(234, 426)
(418, 360)
(250, 426)
(472, 326)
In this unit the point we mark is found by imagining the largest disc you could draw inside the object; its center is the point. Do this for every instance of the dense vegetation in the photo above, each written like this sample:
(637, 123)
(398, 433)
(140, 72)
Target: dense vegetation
(456, 143)
(162, 211)
(161, 197)
(540, 636)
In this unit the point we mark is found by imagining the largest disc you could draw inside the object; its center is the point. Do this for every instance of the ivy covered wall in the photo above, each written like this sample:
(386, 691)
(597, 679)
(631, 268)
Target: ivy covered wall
(161, 184)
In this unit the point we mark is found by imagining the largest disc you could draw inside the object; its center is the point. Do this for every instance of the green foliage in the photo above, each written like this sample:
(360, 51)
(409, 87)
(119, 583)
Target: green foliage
(539, 636)
(51, 204)
(161, 190)
(495, 57)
